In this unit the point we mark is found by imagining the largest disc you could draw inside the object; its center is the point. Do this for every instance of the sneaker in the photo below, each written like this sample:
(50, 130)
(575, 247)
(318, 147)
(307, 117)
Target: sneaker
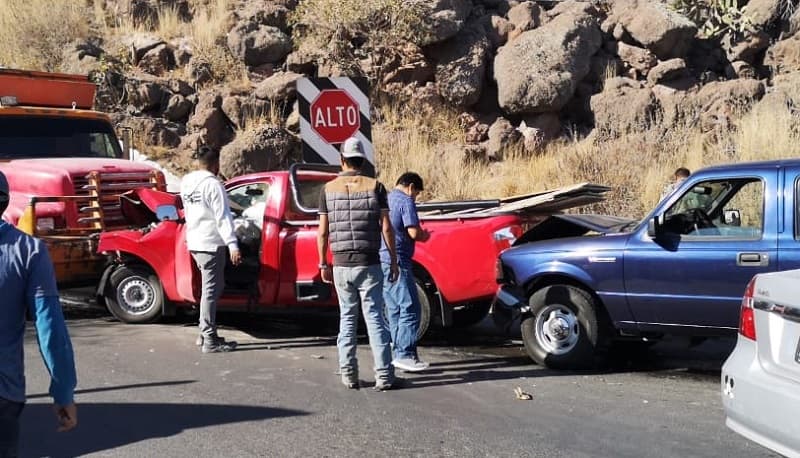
(383, 385)
(409, 364)
(218, 345)
(350, 381)
(199, 340)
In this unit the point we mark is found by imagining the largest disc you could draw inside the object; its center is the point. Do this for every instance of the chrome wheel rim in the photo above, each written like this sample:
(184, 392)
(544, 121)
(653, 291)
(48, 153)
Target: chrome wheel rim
(136, 295)
(557, 329)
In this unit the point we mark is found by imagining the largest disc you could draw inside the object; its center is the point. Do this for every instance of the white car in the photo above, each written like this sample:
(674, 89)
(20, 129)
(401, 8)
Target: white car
(761, 378)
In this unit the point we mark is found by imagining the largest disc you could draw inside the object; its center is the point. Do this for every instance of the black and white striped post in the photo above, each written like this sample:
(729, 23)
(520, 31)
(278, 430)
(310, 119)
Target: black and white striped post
(332, 110)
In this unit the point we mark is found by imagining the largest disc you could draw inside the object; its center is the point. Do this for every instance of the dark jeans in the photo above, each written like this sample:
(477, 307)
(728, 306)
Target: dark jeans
(9, 428)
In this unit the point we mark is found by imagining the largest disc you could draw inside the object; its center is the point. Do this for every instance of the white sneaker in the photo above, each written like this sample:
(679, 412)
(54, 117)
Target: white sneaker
(409, 364)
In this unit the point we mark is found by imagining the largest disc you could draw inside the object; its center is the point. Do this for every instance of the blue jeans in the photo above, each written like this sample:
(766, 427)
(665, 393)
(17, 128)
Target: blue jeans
(9, 428)
(364, 286)
(402, 309)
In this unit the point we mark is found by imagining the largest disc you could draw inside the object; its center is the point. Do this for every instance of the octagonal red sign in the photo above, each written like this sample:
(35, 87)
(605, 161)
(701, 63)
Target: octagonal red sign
(334, 115)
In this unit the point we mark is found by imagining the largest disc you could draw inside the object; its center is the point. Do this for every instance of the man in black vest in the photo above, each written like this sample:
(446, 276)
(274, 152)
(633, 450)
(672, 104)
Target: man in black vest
(353, 215)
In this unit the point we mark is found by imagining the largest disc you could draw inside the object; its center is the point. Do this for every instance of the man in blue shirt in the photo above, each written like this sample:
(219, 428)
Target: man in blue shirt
(402, 301)
(27, 282)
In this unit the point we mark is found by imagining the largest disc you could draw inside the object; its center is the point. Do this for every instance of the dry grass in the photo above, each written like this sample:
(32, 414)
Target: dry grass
(637, 167)
(33, 33)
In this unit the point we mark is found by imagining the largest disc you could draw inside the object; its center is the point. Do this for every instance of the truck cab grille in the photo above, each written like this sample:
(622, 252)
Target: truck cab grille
(101, 207)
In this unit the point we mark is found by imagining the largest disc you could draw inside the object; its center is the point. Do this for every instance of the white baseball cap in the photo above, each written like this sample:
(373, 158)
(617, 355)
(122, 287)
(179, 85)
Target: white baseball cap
(352, 147)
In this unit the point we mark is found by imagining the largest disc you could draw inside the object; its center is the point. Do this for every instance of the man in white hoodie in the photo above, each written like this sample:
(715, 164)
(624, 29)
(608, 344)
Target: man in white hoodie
(209, 232)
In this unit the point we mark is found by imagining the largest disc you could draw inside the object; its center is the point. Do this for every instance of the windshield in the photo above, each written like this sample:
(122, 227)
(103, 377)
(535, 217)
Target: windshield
(29, 137)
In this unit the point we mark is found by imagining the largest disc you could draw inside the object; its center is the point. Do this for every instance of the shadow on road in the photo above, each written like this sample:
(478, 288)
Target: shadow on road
(103, 427)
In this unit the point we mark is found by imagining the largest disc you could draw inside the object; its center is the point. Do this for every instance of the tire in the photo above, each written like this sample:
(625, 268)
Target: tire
(134, 294)
(562, 330)
(424, 310)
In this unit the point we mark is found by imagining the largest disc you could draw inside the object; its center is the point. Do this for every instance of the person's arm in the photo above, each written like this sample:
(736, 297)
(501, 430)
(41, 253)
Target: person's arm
(218, 200)
(54, 343)
(388, 237)
(323, 232)
(412, 224)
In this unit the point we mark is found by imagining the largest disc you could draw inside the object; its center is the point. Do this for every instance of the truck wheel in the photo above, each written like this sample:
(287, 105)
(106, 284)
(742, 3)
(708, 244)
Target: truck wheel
(134, 294)
(562, 330)
(424, 310)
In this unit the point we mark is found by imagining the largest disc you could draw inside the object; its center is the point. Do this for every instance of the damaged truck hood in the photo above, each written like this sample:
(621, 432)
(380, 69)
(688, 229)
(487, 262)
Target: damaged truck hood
(560, 226)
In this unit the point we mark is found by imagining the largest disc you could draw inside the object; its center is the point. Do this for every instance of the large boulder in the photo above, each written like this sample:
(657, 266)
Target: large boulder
(717, 104)
(637, 59)
(280, 87)
(525, 16)
(502, 135)
(257, 150)
(259, 44)
(210, 121)
(155, 131)
(158, 60)
(444, 20)
(146, 95)
(539, 71)
(265, 12)
(667, 71)
(138, 44)
(656, 26)
(461, 67)
(762, 13)
(744, 47)
(784, 56)
(178, 108)
(624, 106)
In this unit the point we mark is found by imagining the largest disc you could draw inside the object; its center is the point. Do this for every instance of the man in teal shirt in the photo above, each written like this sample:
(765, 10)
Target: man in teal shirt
(27, 282)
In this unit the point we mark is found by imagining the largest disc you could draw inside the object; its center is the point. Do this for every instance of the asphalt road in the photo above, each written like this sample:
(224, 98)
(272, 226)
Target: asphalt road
(148, 391)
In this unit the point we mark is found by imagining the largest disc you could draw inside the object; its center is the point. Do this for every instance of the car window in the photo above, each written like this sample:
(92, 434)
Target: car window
(249, 200)
(720, 208)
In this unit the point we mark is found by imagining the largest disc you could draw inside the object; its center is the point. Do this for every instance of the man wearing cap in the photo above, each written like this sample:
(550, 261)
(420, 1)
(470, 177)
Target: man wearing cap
(28, 283)
(354, 217)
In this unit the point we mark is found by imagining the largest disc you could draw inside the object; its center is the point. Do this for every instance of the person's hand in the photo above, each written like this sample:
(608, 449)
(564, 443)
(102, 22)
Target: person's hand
(326, 274)
(394, 272)
(67, 416)
(236, 257)
(424, 235)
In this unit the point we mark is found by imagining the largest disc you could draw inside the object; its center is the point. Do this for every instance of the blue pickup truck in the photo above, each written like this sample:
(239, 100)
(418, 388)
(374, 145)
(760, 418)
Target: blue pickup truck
(582, 283)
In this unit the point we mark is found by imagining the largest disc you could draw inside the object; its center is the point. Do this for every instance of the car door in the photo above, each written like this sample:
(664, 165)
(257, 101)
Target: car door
(713, 237)
(789, 233)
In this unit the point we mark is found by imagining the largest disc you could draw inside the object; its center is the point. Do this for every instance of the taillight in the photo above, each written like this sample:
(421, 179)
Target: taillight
(747, 323)
(505, 237)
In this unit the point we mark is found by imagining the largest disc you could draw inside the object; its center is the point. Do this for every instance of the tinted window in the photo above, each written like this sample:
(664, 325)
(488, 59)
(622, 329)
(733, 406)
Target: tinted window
(727, 208)
(23, 137)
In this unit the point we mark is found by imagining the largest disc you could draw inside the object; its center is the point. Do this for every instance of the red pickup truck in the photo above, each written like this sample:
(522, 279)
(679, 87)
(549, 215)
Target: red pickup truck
(151, 272)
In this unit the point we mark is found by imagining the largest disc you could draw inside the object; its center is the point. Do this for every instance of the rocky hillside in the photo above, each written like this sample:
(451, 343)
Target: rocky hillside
(517, 74)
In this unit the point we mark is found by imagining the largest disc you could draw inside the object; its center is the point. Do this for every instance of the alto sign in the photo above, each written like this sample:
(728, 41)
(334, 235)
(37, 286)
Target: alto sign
(335, 115)
(331, 111)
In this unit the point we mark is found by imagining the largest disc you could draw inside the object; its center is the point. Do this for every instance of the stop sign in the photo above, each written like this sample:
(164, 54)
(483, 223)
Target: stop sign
(334, 115)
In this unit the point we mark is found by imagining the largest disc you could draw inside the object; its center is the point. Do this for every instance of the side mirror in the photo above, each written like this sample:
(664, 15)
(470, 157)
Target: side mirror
(654, 226)
(732, 217)
(167, 213)
(127, 137)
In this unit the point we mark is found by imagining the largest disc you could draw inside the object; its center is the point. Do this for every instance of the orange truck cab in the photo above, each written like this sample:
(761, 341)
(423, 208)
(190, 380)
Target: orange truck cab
(65, 167)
